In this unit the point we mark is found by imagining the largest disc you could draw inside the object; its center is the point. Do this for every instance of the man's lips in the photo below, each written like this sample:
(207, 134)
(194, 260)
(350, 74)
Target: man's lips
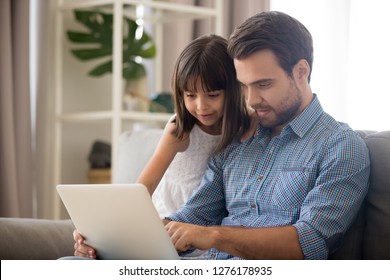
(262, 112)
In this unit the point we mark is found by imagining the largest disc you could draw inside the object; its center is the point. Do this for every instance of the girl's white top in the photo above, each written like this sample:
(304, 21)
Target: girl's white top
(185, 172)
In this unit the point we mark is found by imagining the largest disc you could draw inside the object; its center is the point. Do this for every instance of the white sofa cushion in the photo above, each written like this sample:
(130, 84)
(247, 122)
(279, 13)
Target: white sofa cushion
(134, 150)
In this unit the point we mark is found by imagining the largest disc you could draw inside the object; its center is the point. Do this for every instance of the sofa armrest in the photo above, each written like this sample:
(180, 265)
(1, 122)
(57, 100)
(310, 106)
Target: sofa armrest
(376, 244)
(35, 239)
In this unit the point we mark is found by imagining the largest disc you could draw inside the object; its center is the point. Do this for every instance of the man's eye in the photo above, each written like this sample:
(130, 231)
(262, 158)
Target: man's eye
(264, 84)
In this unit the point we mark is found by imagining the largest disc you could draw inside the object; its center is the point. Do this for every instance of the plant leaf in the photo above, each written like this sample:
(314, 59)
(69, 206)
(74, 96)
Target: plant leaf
(101, 69)
(148, 51)
(100, 27)
(93, 20)
(79, 37)
(143, 47)
(87, 54)
(133, 70)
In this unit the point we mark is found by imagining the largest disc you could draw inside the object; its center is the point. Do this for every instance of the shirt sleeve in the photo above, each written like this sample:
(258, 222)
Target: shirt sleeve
(207, 205)
(331, 206)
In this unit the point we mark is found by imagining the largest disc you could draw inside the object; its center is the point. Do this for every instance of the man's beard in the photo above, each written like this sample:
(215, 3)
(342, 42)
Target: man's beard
(286, 111)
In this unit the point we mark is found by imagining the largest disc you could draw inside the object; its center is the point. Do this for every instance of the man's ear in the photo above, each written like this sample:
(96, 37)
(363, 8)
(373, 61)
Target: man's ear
(301, 70)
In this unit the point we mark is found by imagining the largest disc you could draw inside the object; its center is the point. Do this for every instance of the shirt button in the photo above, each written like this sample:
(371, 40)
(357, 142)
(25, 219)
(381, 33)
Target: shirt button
(253, 206)
(260, 177)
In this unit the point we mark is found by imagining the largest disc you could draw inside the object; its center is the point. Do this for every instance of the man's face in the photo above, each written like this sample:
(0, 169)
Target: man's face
(269, 90)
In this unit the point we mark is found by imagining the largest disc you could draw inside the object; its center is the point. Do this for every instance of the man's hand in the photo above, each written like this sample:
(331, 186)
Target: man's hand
(80, 248)
(188, 236)
(243, 242)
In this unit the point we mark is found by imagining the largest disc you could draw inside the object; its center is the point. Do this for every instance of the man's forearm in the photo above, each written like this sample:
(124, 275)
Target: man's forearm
(258, 243)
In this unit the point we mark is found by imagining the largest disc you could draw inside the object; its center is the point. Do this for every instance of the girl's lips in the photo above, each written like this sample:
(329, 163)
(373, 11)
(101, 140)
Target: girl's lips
(206, 118)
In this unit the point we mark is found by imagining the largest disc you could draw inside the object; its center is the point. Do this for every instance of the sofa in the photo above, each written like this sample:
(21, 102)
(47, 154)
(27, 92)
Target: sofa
(368, 237)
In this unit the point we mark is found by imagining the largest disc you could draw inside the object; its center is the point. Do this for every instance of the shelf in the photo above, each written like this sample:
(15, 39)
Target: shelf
(77, 4)
(156, 12)
(188, 10)
(108, 115)
(145, 116)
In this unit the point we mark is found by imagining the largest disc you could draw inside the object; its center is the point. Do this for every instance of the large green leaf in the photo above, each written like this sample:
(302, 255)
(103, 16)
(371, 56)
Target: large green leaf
(143, 46)
(101, 69)
(99, 43)
(87, 54)
(133, 70)
(78, 37)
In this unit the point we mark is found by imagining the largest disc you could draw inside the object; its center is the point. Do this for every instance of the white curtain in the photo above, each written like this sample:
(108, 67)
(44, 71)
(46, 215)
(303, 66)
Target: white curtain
(16, 157)
(351, 57)
(42, 88)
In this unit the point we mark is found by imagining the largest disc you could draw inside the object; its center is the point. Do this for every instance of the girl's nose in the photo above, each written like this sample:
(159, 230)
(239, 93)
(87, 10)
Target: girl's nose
(202, 103)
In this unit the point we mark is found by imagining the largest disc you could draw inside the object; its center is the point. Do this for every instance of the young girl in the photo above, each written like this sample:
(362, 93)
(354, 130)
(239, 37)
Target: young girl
(210, 113)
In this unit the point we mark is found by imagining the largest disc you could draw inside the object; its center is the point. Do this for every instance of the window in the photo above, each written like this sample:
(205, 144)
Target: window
(351, 57)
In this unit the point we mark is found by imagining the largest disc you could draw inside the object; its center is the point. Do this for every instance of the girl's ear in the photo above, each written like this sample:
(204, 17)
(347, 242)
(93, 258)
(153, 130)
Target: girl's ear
(301, 71)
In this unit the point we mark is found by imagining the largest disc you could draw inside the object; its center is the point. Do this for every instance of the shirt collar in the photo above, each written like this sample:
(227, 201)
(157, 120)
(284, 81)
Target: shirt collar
(303, 122)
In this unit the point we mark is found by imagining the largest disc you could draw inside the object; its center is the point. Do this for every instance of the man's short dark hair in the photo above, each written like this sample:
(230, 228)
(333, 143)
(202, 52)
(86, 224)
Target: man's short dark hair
(285, 36)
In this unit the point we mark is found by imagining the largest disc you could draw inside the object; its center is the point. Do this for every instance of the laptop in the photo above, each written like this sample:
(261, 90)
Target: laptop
(118, 220)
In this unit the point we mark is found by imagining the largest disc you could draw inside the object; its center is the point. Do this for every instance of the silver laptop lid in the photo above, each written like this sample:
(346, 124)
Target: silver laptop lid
(118, 220)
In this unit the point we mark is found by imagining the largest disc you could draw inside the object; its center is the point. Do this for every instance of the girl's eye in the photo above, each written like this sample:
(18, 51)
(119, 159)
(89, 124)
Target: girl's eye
(189, 94)
(214, 93)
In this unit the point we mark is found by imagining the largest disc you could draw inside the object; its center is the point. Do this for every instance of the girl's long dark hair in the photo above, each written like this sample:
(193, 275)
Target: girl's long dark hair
(206, 60)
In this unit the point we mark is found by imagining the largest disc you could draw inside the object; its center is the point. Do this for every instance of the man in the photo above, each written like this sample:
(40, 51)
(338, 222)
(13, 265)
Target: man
(293, 189)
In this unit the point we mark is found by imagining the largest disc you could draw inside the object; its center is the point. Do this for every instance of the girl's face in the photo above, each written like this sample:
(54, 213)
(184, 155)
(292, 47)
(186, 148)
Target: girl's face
(206, 107)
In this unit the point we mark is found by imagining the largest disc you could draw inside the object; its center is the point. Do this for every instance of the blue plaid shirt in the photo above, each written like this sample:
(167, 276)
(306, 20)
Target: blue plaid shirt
(314, 176)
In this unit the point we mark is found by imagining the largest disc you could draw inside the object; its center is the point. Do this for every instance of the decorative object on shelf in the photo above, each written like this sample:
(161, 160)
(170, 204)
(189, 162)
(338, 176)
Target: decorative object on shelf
(100, 155)
(100, 163)
(162, 103)
(137, 44)
(99, 176)
(135, 97)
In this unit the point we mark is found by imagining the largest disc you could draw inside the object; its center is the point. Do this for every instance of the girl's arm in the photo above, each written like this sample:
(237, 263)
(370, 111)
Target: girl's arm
(162, 157)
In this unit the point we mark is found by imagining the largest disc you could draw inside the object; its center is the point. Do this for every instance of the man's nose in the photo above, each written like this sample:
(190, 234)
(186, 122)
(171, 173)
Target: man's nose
(251, 97)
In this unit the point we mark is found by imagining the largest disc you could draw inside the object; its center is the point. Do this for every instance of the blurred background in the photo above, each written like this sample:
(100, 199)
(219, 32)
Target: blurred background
(55, 114)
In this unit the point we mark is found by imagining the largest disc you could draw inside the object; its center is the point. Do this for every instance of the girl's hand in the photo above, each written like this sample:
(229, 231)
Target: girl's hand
(80, 248)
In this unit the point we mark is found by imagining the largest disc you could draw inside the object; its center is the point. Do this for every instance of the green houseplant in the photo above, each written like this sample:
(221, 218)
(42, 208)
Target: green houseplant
(99, 44)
